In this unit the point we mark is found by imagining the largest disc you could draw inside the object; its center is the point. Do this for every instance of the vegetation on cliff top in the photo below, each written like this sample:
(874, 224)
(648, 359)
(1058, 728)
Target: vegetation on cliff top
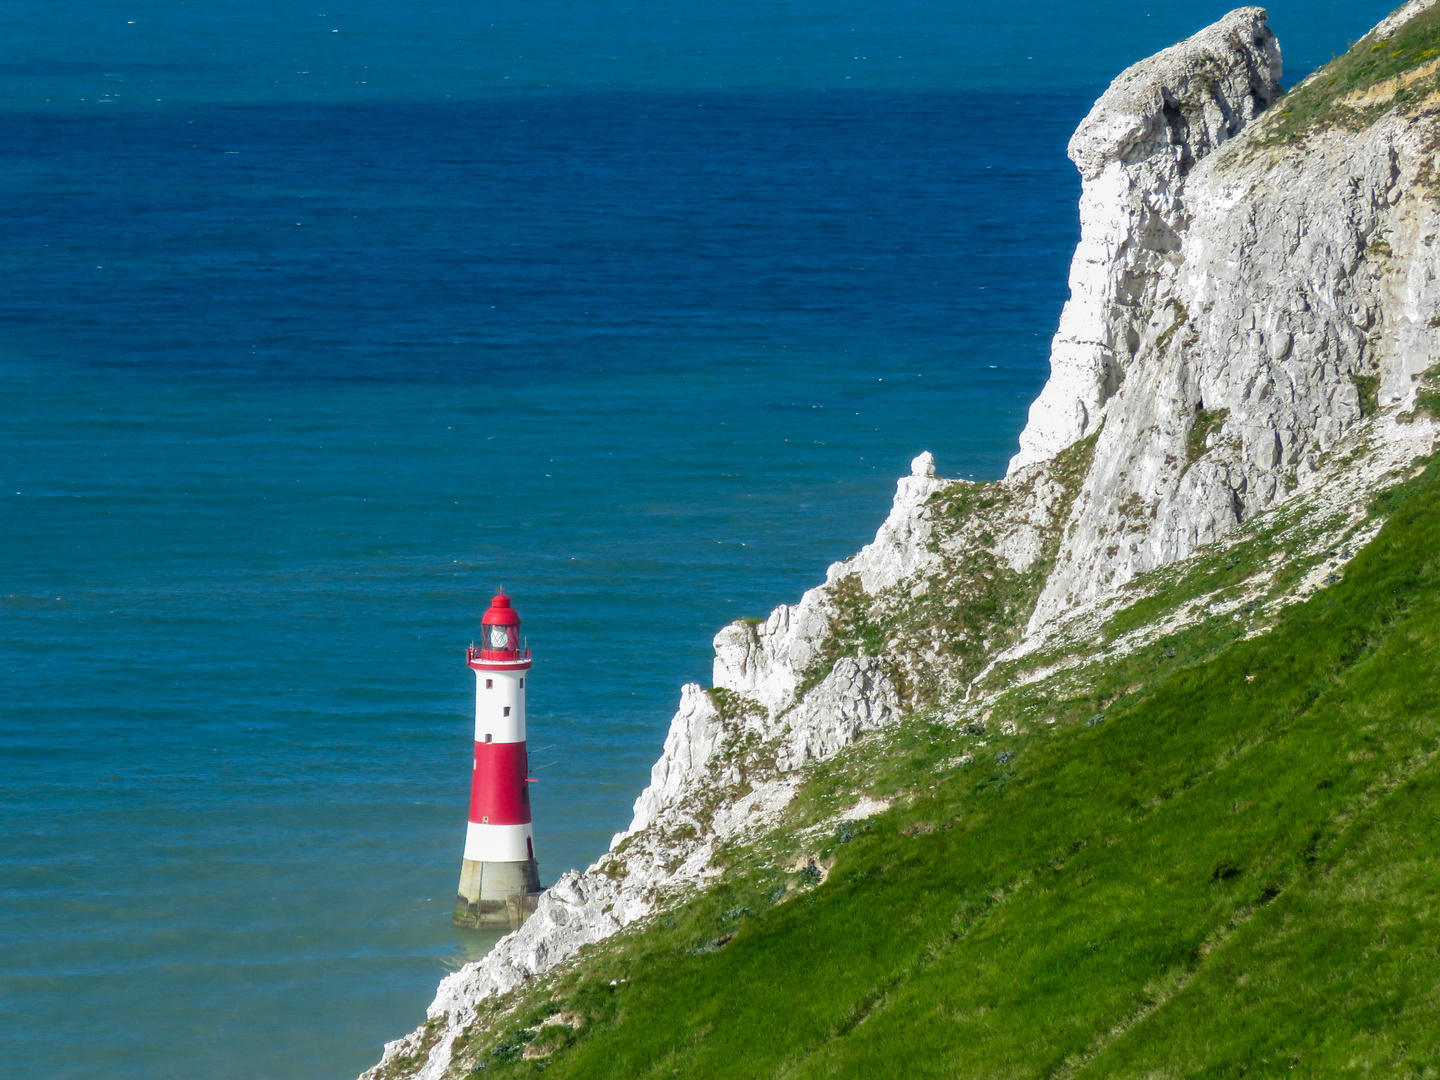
(969, 606)
(1227, 871)
(1334, 95)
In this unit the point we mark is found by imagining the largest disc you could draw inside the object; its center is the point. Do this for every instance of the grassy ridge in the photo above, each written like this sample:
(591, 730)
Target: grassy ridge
(1318, 101)
(1231, 873)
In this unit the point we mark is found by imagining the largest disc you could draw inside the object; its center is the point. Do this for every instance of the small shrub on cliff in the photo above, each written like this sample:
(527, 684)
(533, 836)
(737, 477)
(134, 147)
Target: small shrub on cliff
(1207, 423)
(1368, 387)
(1427, 398)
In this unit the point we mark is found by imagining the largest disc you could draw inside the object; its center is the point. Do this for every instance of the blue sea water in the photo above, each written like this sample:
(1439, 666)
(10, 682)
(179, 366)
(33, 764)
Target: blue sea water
(317, 325)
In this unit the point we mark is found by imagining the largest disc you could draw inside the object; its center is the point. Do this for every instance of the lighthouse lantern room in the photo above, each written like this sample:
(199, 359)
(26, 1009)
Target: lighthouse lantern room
(499, 878)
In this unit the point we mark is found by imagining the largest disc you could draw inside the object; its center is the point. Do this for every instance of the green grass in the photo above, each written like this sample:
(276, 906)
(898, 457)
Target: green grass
(1427, 398)
(1368, 387)
(1232, 874)
(1207, 422)
(1317, 102)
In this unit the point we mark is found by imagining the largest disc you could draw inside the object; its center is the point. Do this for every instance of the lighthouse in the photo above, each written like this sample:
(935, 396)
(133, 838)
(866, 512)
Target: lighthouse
(499, 879)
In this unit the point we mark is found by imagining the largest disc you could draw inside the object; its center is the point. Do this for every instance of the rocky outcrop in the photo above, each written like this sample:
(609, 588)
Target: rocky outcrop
(1237, 305)
(765, 661)
(1241, 305)
(1135, 151)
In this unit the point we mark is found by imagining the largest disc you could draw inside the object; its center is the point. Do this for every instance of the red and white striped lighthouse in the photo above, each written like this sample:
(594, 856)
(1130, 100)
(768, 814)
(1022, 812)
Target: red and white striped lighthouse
(499, 879)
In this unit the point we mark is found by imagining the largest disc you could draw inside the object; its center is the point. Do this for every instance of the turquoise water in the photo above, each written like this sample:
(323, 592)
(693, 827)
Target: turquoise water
(316, 332)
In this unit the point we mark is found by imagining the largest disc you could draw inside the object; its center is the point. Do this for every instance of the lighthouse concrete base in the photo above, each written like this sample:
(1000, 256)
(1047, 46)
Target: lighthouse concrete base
(497, 895)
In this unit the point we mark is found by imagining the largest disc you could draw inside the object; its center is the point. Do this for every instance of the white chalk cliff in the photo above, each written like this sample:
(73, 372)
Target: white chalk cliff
(1241, 307)
(1214, 273)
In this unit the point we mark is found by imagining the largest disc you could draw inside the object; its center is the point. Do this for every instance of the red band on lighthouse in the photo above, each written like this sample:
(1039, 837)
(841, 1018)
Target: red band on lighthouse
(499, 794)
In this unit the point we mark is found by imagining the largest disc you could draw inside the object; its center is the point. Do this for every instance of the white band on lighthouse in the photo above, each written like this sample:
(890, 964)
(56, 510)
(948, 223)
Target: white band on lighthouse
(500, 706)
(499, 843)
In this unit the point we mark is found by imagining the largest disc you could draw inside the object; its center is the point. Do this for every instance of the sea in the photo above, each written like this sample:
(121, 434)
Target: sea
(320, 323)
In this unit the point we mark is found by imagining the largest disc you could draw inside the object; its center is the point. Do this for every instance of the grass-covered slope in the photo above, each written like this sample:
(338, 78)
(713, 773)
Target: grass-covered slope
(1374, 75)
(1234, 873)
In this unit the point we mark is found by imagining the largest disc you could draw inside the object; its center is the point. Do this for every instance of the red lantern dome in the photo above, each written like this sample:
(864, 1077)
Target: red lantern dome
(500, 635)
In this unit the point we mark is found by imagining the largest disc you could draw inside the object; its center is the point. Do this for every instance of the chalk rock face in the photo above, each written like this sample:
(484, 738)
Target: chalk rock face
(857, 696)
(764, 661)
(1251, 290)
(899, 549)
(696, 733)
(1134, 151)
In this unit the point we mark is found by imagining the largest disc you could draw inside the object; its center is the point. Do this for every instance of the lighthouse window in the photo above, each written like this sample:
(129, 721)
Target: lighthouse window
(487, 737)
(507, 710)
(522, 684)
(489, 684)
